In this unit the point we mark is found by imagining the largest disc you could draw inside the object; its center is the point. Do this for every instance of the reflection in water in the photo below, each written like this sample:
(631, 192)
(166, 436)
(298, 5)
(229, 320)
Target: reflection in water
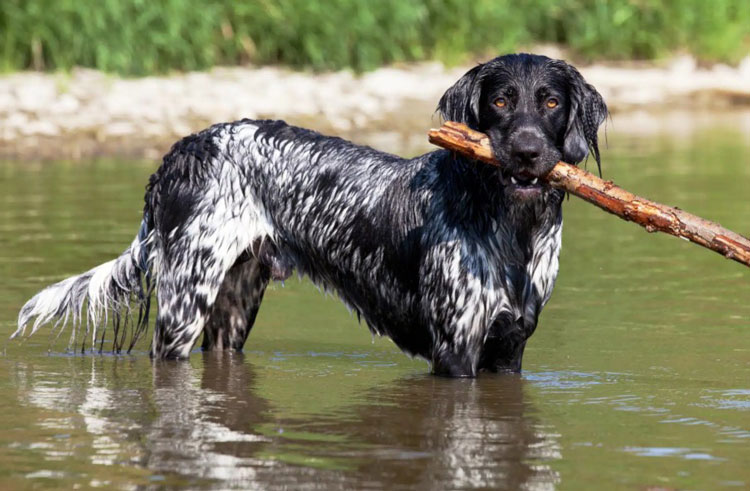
(189, 423)
(204, 419)
(431, 433)
(203, 425)
(88, 394)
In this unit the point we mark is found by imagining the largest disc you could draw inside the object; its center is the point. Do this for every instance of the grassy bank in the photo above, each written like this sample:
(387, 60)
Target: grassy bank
(137, 37)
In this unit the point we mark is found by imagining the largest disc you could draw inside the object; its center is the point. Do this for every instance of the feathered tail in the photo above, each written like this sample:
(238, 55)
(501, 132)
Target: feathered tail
(109, 291)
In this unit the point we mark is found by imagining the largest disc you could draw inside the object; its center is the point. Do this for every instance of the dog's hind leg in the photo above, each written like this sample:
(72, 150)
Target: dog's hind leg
(191, 276)
(202, 290)
(184, 305)
(236, 306)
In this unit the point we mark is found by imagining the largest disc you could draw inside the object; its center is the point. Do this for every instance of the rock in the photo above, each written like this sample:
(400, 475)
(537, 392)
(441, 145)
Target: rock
(39, 127)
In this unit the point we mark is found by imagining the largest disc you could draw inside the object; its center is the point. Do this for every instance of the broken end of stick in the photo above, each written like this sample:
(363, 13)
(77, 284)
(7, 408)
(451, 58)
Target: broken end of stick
(433, 136)
(457, 137)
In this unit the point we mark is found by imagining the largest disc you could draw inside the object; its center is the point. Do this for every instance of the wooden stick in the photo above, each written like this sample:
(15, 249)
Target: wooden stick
(655, 217)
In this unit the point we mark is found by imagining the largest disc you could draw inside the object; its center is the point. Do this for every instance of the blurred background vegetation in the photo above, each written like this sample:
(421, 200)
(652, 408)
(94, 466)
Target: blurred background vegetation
(139, 37)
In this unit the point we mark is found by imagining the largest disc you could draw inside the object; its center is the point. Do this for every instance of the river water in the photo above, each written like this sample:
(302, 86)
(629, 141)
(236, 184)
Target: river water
(637, 377)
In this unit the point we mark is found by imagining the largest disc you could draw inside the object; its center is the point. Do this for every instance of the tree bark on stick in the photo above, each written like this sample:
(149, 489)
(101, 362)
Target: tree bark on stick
(654, 217)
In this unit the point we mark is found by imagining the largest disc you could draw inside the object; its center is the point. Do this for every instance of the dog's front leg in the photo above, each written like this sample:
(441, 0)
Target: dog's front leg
(505, 343)
(447, 362)
(459, 324)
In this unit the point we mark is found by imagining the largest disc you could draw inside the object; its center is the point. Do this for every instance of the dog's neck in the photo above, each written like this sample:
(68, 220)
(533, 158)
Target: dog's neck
(486, 200)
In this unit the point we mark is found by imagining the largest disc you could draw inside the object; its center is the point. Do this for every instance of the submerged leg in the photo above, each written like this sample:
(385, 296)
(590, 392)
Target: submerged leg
(179, 322)
(457, 342)
(455, 302)
(236, 306)
(450, 364)
(184, 305)
(505, 343)
(191, 274)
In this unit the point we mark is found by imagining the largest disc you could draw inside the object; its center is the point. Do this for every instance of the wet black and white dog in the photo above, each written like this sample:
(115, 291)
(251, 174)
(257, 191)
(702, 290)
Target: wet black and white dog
(451, 258)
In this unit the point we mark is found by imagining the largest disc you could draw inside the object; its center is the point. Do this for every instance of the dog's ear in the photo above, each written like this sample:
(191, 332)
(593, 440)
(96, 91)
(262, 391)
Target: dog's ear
(460, 103)
(587, 112)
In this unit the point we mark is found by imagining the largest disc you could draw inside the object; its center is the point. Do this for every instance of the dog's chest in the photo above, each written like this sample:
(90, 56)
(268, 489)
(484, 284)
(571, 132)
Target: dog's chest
(523, 278)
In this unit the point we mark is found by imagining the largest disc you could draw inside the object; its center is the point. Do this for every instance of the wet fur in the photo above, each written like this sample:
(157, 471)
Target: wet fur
(437, 252)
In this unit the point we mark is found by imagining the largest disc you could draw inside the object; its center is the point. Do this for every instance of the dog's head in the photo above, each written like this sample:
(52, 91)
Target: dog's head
(536, 111)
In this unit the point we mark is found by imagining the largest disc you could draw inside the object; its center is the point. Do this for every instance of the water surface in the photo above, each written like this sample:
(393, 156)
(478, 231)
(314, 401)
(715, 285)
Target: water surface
(638, 376)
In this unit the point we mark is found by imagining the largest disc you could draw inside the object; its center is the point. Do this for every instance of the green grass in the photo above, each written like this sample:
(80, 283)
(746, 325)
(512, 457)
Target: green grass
(138, 37)
(712, 30)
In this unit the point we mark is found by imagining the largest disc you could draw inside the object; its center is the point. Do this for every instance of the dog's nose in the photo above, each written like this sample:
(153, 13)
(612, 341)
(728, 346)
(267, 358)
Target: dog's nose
(526, 147)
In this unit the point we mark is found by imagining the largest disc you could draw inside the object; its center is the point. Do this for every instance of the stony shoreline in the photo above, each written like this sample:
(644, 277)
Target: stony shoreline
(87, 113)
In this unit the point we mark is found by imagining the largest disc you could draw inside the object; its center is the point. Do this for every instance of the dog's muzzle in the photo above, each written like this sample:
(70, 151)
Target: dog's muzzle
(528, 158)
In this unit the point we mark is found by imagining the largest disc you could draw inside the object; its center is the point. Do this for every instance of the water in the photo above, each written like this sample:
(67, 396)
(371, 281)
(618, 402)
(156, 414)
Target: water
(638, 376)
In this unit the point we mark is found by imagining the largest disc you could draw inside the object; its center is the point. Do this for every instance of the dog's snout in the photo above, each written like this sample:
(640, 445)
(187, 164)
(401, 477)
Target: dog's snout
(527, 146)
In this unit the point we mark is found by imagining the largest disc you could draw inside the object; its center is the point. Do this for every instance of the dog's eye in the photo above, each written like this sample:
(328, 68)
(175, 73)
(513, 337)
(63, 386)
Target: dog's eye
(552, 103)
(500, 102)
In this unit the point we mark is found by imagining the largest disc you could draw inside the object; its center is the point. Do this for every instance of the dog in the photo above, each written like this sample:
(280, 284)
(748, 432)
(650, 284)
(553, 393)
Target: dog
(449, 257)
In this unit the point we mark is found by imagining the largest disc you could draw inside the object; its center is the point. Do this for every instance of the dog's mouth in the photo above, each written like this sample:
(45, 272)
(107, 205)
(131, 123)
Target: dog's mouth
(523, 184)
